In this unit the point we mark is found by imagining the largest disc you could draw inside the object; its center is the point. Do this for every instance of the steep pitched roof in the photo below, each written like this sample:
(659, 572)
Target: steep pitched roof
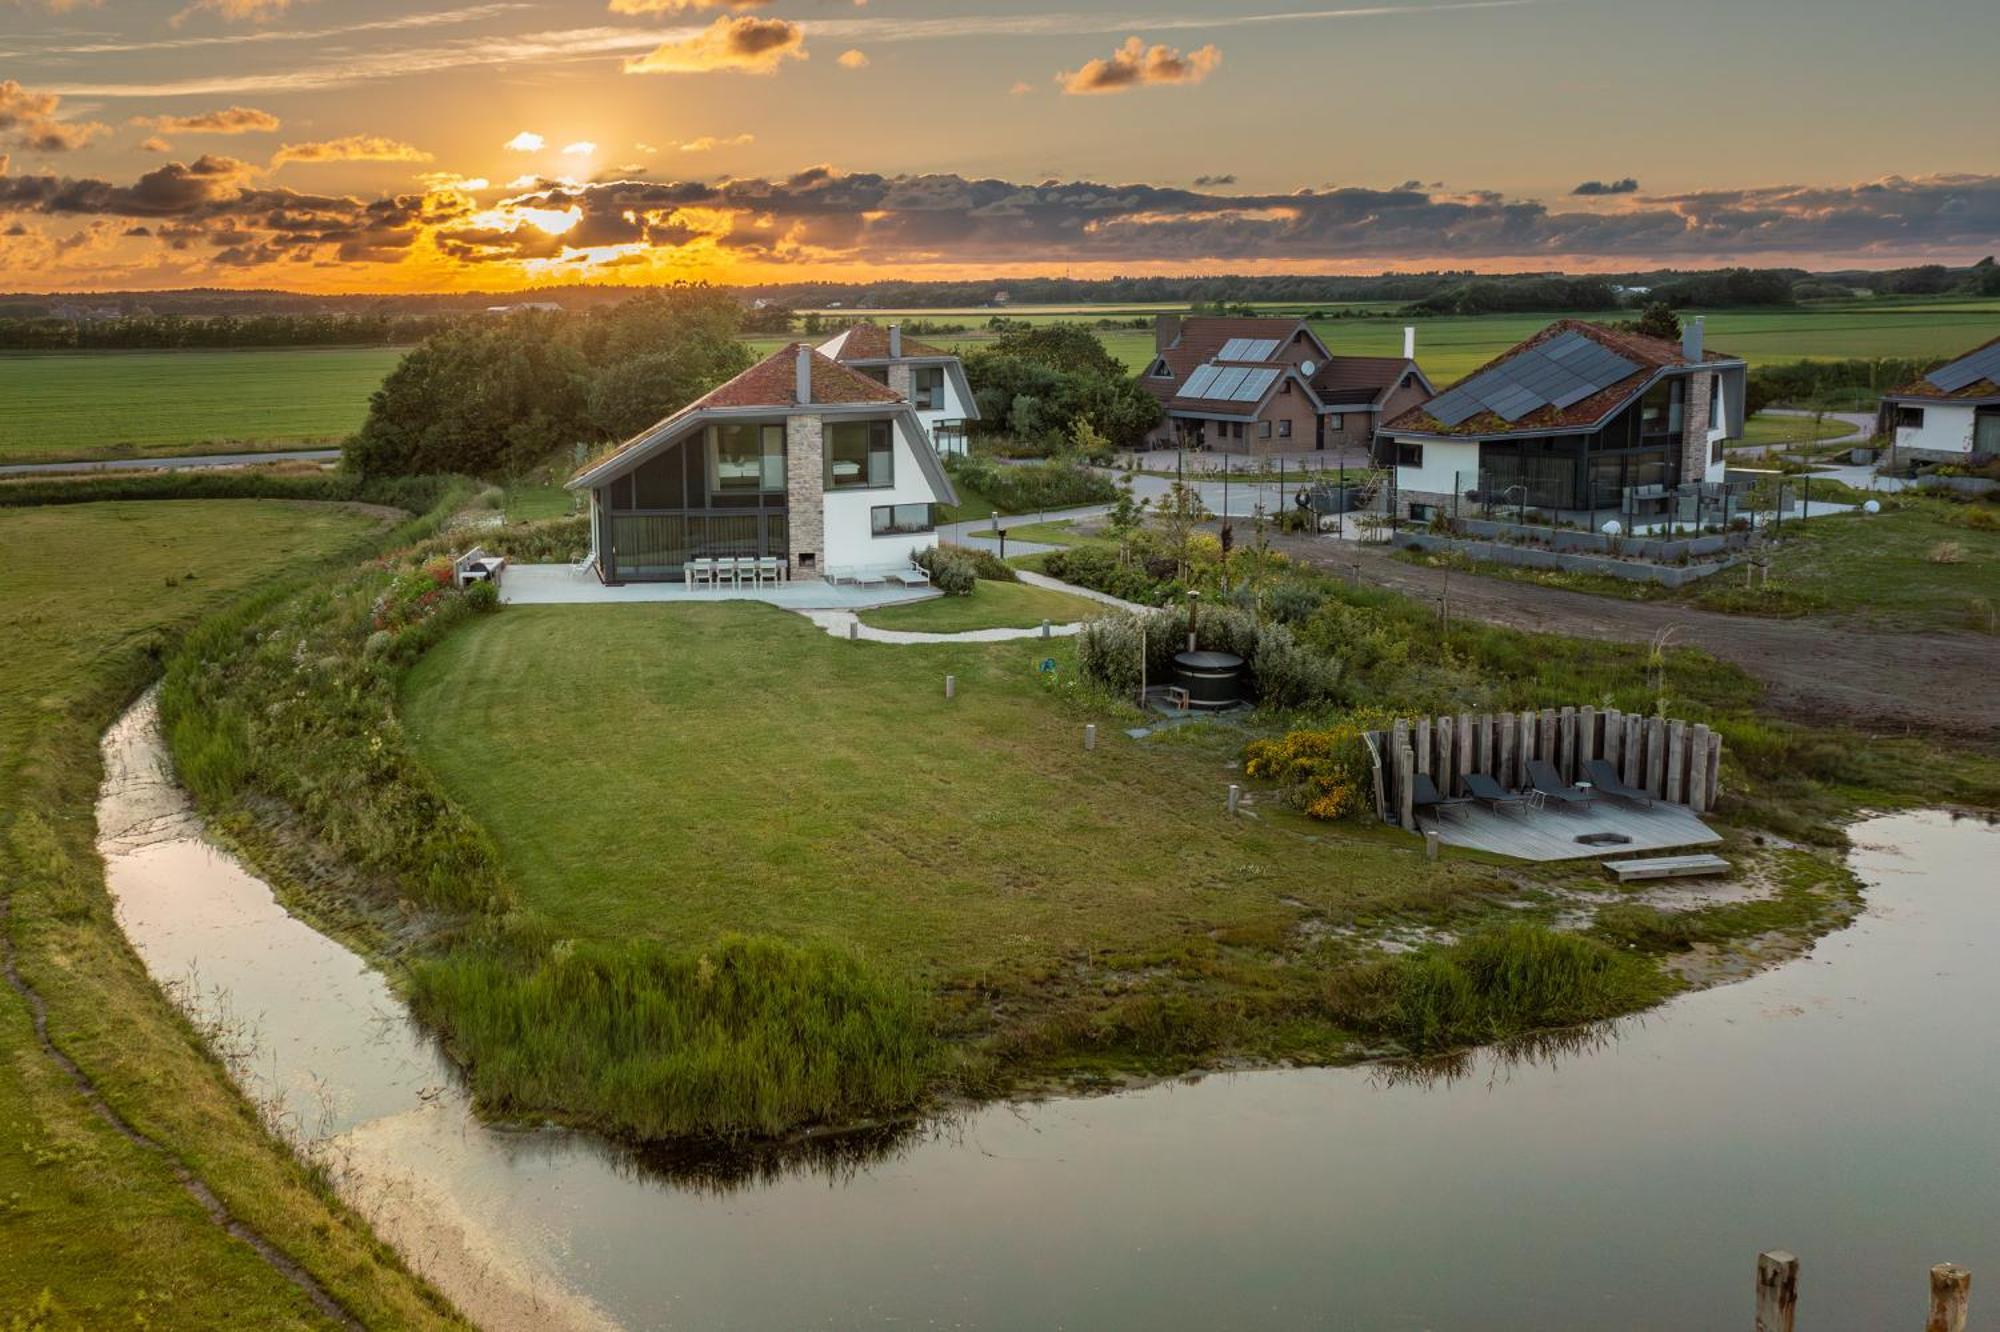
(1202, 338)
(1360, 379)
(870, 342)
(1650, 355)
(1982, 360)
(771, 383)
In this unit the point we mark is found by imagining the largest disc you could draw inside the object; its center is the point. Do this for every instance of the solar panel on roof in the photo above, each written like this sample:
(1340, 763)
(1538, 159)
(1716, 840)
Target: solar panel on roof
(1967, 370)
(1454, 407)
(1248, 349)
(1198, 383)
(1254, 385)
(1561, 372)
(1227, 380)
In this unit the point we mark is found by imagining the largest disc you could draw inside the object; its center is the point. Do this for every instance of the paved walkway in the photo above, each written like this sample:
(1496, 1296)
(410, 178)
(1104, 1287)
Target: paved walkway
(173, 464)
(847, 624)
(564, 585)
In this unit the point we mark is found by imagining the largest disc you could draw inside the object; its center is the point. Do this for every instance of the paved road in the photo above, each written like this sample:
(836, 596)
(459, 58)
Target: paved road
(1815, 669)
(173, 464)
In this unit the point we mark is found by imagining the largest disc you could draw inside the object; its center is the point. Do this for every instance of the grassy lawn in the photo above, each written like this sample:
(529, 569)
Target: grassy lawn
(527, 503)
(992, 605)
(971, 842)
(1766, 428)
(119, 403)
(94, 1224)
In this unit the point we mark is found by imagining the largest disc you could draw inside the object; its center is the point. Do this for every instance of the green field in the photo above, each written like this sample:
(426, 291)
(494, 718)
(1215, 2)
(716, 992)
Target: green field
(96, 1231)
(138, 404)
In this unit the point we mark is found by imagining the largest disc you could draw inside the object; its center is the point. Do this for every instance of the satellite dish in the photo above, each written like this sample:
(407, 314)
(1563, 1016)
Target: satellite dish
(1307, 368)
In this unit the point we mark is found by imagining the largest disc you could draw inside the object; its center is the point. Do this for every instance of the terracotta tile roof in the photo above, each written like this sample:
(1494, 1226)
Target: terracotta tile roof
(1650, 354)
(1921, 387)
(870, 342)
(1359, 378)
(772, 383)
(1202, 337)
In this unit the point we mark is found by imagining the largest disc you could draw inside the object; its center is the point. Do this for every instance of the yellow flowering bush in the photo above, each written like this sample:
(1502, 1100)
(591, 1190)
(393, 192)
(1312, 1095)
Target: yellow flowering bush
(1325, 773)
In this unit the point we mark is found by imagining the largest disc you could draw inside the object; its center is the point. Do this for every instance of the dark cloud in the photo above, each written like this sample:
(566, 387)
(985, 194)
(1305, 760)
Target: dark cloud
(745, 44)
(1626, 186)
(1211, 182)
(29, 120)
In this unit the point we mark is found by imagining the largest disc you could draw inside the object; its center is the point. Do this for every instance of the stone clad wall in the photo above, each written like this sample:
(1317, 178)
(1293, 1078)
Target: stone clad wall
(805, 493)
(1694, 426)
(900, 380)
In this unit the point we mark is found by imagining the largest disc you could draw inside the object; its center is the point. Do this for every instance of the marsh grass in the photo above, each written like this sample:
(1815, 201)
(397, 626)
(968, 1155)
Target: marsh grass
(1497, 985)
(747, 1036)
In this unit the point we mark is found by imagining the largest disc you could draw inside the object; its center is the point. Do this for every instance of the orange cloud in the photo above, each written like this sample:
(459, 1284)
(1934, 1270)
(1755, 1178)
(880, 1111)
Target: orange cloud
(1135, 63)
(680, 6)
(257, 11)
(353, 148)
(853, 60)
(229, 120)
(744, 45)
(28, 120)
(708, 143)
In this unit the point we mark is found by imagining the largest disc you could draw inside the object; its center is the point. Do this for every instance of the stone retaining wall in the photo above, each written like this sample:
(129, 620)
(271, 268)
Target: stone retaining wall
(1536, 557)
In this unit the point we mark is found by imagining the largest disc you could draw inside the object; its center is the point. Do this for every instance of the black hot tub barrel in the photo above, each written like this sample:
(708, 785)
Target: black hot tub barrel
(1212, 679)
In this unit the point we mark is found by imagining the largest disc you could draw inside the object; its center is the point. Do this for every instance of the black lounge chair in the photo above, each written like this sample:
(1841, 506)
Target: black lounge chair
(1605, 778)
(1544, 778)
(1424, 796)
(1489, 792)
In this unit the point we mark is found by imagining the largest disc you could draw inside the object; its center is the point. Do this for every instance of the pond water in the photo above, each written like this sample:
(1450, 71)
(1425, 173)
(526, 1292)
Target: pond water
(1845, 1106)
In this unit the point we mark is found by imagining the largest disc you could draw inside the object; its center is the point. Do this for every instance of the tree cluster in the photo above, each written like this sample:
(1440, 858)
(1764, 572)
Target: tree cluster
(495, 397)
(1037, 383)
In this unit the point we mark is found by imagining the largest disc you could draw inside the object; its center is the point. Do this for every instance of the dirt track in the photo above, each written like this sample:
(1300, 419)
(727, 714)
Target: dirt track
(1815, 669)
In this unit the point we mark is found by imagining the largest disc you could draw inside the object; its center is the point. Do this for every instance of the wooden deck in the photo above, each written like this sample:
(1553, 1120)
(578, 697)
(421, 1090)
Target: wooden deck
(1551, 833)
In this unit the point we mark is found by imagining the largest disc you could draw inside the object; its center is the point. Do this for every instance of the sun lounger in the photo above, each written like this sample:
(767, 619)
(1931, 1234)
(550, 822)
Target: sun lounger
(1543, 777)
(1605, 778)
(1489, 792)
(1424, 796)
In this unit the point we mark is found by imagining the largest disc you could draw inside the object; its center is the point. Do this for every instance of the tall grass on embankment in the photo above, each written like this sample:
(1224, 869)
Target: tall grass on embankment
(748, 1036)
(418, 494)
(286, 710)
(1495, 986)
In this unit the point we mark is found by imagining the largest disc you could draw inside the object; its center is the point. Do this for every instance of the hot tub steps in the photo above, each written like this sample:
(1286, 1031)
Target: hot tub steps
(1667, 867)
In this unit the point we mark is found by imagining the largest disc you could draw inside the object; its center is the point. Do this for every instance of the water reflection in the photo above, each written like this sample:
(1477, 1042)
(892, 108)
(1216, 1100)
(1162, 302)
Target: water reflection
(1543, 1050)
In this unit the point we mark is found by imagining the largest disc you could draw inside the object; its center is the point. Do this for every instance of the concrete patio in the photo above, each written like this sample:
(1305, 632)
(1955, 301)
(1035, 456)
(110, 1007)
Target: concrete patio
(564, 585)
(1550, 833)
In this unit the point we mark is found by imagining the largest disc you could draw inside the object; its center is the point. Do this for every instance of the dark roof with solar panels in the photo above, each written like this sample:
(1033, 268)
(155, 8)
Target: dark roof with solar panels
(1973, 377)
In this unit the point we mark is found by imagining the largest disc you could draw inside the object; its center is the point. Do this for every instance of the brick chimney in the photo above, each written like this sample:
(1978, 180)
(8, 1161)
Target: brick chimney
(1166, 328)
(803, 382)
(895, 340)
(1691, 339)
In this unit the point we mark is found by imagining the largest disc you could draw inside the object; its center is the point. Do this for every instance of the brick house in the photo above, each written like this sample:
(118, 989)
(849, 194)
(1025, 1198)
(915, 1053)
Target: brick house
(799, 457)
(1261, 385)
(1576, 418)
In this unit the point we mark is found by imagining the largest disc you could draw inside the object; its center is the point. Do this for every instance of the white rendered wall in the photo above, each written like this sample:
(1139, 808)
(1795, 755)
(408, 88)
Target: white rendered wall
(850, 539)
(1448, 468)
(1946, 429)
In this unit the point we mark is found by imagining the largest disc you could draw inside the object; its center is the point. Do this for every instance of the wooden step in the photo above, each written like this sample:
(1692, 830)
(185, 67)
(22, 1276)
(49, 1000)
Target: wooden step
(1667, 867)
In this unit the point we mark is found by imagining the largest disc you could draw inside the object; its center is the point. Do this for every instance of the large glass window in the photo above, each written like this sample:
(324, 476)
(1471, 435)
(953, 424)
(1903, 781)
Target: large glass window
(927, 387)
(860, 455)
(745, 459)
(1660, 411)
(897, 519)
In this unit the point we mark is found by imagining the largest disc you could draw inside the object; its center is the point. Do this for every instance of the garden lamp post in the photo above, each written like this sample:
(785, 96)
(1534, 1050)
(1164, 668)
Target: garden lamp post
(1194, 601)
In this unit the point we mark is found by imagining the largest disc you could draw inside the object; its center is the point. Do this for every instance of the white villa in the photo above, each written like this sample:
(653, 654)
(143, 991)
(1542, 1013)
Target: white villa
(799, 458)
(1950, 414)
(1579, 418)
(932, 379)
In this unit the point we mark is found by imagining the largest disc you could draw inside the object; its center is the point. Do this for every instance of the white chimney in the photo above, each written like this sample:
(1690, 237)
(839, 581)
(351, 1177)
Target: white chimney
(1409, 342)
(803, 388)
(895, 341)
(1691, 339)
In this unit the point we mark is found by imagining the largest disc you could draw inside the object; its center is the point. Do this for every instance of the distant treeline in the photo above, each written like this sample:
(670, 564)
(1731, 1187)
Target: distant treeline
(176, 332)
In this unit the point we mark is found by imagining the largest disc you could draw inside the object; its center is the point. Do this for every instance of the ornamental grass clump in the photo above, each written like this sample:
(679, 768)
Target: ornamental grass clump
(747, 1036)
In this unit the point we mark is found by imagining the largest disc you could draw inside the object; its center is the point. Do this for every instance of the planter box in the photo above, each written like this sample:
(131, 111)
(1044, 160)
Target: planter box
(1654, 550)
(1535, 557)
(1959, 485)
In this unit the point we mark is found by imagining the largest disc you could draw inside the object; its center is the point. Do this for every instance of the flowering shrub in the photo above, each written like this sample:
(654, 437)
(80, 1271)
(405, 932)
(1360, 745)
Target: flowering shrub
(1324, 773)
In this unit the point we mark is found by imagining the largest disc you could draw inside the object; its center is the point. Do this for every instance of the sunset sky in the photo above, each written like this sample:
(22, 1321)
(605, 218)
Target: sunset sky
(370, 145)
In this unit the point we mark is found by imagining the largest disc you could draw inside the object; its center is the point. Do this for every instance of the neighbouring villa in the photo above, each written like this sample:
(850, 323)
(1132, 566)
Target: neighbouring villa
(931, 378)
(1950, 414)
(1578, 420)
(1262, 385)
(799, 458)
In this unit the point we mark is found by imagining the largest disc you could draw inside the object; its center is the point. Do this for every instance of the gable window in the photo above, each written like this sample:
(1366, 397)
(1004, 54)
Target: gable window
(860, 455)
(1286, 387)
(898, 519)
(1161, 370)
(1409, 455)
(746, 458)
(1909, 418)
(927, 387)
(1285, 429)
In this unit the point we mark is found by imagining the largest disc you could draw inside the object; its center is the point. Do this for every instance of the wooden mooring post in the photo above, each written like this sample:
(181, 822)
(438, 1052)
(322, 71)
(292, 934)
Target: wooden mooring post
(1778, 1294)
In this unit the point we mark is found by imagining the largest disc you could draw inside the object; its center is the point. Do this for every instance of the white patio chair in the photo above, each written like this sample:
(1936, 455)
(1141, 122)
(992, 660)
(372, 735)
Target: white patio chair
(767, 570)
(698, 572)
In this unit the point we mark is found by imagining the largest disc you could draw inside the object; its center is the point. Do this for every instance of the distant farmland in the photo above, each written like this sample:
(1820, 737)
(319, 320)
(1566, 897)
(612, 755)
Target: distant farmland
(142, 403)
(109, 404)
